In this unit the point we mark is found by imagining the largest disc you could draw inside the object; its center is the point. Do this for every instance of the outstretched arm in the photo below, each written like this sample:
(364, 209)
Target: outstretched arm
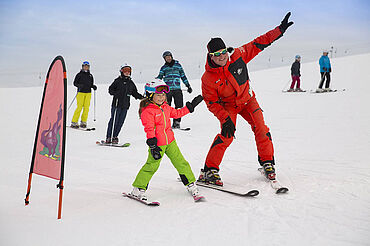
(251, 49)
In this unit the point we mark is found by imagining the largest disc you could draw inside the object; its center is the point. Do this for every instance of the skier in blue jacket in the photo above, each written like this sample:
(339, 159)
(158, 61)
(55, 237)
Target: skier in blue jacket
(325, 70)
(172, 73)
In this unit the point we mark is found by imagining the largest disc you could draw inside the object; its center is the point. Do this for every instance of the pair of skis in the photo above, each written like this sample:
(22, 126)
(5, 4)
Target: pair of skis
(86, 129)
(275, 184)
(103, 143)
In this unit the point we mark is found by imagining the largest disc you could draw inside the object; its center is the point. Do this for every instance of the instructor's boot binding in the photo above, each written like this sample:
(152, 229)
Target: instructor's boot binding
(210, 177)
(269, 170)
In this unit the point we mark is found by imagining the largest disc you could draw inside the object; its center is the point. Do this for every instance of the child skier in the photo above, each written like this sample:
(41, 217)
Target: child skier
(296, 74)
(84, 81)
(155, 116)
(121, 89)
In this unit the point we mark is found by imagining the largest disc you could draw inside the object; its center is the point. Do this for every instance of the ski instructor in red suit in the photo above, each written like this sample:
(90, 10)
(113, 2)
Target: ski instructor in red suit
(227, 93)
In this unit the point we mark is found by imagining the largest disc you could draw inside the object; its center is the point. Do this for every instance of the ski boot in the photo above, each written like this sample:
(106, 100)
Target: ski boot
(175, 125)
(139, 193)
(269, 171)
(108, 140)
(298, 90)
(328, 90)
(210, 177)
(194, 191)
(115, 140)
(290, 90)
(319, 90)
(74, 125)
(83, 124)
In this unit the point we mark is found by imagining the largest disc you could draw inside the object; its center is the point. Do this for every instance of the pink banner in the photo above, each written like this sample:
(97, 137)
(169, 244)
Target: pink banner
(49, 146)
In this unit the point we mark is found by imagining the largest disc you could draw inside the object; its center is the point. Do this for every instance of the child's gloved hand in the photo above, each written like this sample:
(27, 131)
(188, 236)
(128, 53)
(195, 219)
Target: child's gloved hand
(154, 149)
(191, 105)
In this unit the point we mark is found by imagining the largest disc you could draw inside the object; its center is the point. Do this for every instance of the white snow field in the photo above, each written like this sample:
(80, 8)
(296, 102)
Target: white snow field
(322, 144)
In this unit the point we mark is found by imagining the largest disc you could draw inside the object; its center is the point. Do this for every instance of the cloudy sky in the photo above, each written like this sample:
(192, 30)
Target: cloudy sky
(109, 33)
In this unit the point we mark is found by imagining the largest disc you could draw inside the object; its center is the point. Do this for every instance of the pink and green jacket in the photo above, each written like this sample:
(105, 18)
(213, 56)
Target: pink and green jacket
(156, 121)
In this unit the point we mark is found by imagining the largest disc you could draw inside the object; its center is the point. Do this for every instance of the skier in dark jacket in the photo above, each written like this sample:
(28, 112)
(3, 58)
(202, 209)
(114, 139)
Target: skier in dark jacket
(84, 81)
(296, 74)
(121, 89)
(172, 73)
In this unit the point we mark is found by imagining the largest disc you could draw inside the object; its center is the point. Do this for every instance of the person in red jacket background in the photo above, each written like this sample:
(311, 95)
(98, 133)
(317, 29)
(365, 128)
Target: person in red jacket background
(227, 93)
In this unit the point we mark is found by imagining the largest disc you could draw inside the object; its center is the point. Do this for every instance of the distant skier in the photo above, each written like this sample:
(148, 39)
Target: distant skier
(172, 73)
(155, 116)
(121, 89)
(296, 74)
(227, 93)
(84, 81)
(325, 70)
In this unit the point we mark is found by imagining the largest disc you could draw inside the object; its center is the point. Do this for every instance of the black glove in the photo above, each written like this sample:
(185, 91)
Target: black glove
(140, 97)
(190, 90)
(191, 105)
(329, 70)
(94, 87)
(285, 24)
(154, 149)
(228, 128)
(325, 69)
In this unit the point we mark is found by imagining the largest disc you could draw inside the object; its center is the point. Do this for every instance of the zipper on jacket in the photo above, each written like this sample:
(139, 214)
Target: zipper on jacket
(164, 131)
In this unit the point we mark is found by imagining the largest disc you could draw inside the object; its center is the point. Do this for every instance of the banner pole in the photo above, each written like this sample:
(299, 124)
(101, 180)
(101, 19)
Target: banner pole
(26, 200)
(61, 187)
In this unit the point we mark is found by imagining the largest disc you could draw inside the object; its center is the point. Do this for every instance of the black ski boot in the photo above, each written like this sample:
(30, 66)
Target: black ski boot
(269, 170)
(108, 141)
(115, 140)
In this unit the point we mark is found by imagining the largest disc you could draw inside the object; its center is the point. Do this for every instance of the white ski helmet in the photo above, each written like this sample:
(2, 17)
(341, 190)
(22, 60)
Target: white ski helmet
(125, 65)
(156, 86)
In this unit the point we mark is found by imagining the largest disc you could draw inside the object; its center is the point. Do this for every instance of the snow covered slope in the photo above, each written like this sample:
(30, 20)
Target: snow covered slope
(322, 154)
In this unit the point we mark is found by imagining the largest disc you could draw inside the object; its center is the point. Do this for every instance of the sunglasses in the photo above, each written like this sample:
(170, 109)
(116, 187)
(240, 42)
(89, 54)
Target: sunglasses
(218, 53)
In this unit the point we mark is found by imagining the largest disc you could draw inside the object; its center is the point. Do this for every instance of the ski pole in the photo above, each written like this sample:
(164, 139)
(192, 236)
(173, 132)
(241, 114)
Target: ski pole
(94, 105)
(322, 80)
(72, 102)
(114, 120)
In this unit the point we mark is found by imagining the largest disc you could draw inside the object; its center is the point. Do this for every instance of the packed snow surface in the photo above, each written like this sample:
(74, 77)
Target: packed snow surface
(321, 141)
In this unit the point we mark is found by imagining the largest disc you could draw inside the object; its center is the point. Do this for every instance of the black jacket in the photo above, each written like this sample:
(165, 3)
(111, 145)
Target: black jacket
(121, 89)
(296, 68)
(84, 81)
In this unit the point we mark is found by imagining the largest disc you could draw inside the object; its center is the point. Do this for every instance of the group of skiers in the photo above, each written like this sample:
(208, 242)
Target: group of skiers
(325, 70)
(226, 92)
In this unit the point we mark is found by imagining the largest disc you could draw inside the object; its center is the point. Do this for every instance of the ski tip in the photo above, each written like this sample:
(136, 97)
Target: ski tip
(253, 193)
(282, 190)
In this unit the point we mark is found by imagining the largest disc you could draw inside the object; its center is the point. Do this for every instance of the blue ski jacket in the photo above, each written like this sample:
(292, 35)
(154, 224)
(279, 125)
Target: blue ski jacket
(324, 64)
(172, 74)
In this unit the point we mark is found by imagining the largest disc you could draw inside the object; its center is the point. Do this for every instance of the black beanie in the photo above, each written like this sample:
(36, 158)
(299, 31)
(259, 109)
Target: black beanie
(215, 44)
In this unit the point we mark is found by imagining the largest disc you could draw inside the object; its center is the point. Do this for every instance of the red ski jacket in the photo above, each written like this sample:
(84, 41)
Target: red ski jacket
(228, 86)
(156, 121)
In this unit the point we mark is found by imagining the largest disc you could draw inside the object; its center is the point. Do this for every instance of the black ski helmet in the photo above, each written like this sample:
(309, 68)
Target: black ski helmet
(167, 53)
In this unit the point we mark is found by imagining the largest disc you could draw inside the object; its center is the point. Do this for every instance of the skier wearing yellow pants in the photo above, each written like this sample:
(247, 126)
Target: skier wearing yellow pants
(84, 81)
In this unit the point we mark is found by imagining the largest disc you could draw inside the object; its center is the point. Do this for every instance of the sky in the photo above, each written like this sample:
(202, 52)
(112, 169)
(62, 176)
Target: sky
(110, 33)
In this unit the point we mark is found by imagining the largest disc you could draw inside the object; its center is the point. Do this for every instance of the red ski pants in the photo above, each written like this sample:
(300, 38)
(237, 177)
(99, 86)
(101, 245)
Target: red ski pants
(252, 113)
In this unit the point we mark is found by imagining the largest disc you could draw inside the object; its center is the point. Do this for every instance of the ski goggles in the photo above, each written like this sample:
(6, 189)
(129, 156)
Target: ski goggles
(218, 53)
(126, 70)
(159, 89)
